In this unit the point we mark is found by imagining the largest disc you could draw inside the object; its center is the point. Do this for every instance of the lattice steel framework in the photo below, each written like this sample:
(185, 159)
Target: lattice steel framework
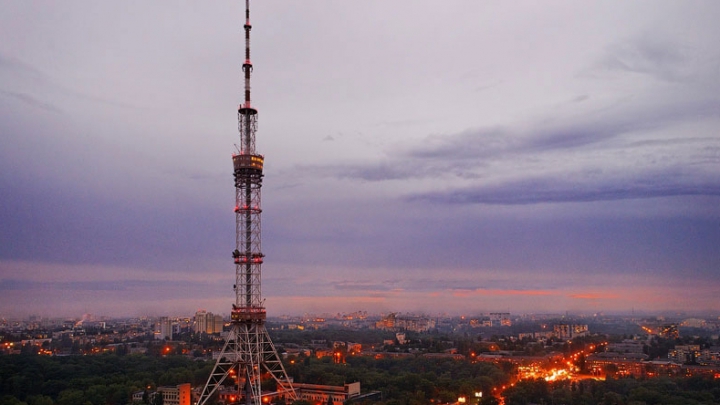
(248, 357)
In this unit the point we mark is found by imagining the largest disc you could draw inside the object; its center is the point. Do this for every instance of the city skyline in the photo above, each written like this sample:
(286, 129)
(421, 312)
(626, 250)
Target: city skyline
(467, 158)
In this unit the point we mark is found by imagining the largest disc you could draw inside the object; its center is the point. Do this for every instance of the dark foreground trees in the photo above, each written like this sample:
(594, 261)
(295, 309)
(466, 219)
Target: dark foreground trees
(110, 380)
(91, 380)
(404, 381)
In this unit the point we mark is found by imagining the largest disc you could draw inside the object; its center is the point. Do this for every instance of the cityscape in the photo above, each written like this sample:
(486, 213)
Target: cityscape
(527, 213)
(555, 348)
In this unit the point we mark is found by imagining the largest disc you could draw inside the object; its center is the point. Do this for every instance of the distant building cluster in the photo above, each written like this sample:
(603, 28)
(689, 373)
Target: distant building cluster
(566, 332)
(395, 322)
(493, 319)
(539, 336)
(559, 331)
(670, 331)
(627, 350)
(693, 354)
(694, 323)
(207, 322)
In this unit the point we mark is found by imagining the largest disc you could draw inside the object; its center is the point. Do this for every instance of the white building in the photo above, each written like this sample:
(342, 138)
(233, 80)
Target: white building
(177, 395)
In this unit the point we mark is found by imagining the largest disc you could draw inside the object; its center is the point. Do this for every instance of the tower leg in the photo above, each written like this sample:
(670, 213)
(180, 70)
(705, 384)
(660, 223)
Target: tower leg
(248, 356)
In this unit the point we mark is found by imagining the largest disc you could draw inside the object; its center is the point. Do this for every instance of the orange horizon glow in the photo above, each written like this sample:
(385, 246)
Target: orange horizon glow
(595, 296)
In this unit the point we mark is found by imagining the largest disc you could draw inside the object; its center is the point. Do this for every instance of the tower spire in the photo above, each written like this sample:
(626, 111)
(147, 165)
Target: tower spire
(247, 65)
(248, 355)
(247, 120)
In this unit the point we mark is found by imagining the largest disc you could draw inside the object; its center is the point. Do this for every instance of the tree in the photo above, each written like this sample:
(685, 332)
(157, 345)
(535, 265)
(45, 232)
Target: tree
(9, 400)
(40, 400)
(159, 400)
(489, 400)
(612, 398)
(71, 397)
(528, 391)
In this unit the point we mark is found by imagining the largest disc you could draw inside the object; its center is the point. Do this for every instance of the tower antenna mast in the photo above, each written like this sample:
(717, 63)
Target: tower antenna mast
(248, 355)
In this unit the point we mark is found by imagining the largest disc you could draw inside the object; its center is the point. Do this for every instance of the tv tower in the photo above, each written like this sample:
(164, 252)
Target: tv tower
(248, 356)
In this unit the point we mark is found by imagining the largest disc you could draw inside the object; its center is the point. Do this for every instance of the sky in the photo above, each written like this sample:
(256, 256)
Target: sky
(455, 157)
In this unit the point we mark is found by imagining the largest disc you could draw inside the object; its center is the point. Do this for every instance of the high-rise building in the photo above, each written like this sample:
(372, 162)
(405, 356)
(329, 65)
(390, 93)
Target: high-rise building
(200, 323)
(165, 328)
(207, 322)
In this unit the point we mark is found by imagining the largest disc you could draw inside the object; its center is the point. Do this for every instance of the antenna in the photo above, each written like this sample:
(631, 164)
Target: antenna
(248, 353)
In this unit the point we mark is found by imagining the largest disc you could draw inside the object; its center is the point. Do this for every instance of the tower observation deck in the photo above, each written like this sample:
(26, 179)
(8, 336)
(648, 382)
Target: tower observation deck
(248, 356)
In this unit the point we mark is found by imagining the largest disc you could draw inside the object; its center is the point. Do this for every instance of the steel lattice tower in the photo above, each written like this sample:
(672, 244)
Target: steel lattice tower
(248, 356)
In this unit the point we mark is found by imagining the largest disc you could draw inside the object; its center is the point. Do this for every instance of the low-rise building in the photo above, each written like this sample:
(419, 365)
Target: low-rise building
(172, 395)
(326, 394)
(564, 331)
(685, 354)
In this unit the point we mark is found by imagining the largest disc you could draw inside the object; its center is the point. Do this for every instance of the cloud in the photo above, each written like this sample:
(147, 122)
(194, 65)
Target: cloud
(649, 55)
(30, 100)
(347, 285)
(17, 71)
(16, 67)
(595, 296)
(634, 153)
(556, 189)
(117, 285)
(85, 228)
(507, 292)
(469, 154)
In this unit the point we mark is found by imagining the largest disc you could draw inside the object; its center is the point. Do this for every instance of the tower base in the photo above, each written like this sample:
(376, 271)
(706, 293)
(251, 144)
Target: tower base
(247, 358)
